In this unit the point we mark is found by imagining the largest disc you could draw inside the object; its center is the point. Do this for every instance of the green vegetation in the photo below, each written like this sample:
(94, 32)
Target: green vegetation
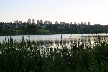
(34, 29)
(26, 56)
(43, 31)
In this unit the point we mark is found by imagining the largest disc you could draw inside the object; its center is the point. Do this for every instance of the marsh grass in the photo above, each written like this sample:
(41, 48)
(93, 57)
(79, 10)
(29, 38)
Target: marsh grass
(27, 56)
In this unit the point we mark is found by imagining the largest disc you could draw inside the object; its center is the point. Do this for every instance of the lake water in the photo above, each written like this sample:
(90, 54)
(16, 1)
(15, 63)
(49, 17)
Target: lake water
(56, 38)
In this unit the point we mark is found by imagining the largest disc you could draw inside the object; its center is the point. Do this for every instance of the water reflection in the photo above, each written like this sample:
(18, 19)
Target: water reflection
(60, 41)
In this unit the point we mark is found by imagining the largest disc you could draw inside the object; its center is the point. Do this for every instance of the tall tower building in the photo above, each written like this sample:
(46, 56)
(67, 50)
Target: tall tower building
(46, 22)
(75, 23)
(20, 22)
(33, 21)
(88, 23)
(16, 22)
(70, 22)
(84, 23)
(29, 21)
(56, 22)
(81, 23)
(38, 21)
(41, 22)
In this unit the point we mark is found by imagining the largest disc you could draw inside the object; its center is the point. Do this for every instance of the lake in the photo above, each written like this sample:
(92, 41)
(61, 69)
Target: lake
(54, 40)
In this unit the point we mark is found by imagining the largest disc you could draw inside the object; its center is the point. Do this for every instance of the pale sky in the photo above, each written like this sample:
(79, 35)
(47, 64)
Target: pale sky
(94, 11)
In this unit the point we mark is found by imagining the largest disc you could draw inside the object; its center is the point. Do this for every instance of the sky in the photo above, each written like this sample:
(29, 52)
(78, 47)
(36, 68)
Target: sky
(94, 11)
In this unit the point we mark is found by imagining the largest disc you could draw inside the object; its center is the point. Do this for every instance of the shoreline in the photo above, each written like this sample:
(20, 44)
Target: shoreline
(51, 34)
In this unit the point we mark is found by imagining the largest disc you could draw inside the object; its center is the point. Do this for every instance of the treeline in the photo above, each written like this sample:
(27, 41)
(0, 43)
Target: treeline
(25, 28)
(19, 29)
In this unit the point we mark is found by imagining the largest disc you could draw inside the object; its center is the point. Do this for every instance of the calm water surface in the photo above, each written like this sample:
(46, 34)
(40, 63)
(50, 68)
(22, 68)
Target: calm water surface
(52, 37)
(54, 40)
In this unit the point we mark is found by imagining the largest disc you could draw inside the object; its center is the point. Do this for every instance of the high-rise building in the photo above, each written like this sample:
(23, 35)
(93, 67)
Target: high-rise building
(88, 23)
(46, 22)
(56, 22)
(29, 21)
(84, 23)
(38, 21)
(75, 23)
(62, 23)
(20, 22)
(81, 23)
(41, 22)
(33, 21)
(78, 23)
(70, 22)
(16, 22)
(50, 22)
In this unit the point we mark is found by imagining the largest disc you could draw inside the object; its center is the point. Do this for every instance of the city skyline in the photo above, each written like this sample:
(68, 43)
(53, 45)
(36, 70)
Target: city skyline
(93, 11)
(30, 21)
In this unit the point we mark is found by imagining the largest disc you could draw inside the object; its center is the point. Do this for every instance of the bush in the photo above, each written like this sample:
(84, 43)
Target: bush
(25, 56)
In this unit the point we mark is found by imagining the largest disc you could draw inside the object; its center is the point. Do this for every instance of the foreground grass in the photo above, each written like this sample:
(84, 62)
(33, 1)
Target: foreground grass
(27, 57)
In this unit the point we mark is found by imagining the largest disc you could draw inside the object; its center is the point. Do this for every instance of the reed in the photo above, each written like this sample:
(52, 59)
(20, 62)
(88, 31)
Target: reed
(30, 56)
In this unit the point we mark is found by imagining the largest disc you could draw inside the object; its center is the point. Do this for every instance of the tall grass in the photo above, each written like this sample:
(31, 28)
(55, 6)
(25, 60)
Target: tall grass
(26, 56)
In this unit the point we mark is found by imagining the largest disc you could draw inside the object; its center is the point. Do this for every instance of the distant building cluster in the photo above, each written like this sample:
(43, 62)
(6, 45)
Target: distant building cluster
(32, 21)
(60, 26)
